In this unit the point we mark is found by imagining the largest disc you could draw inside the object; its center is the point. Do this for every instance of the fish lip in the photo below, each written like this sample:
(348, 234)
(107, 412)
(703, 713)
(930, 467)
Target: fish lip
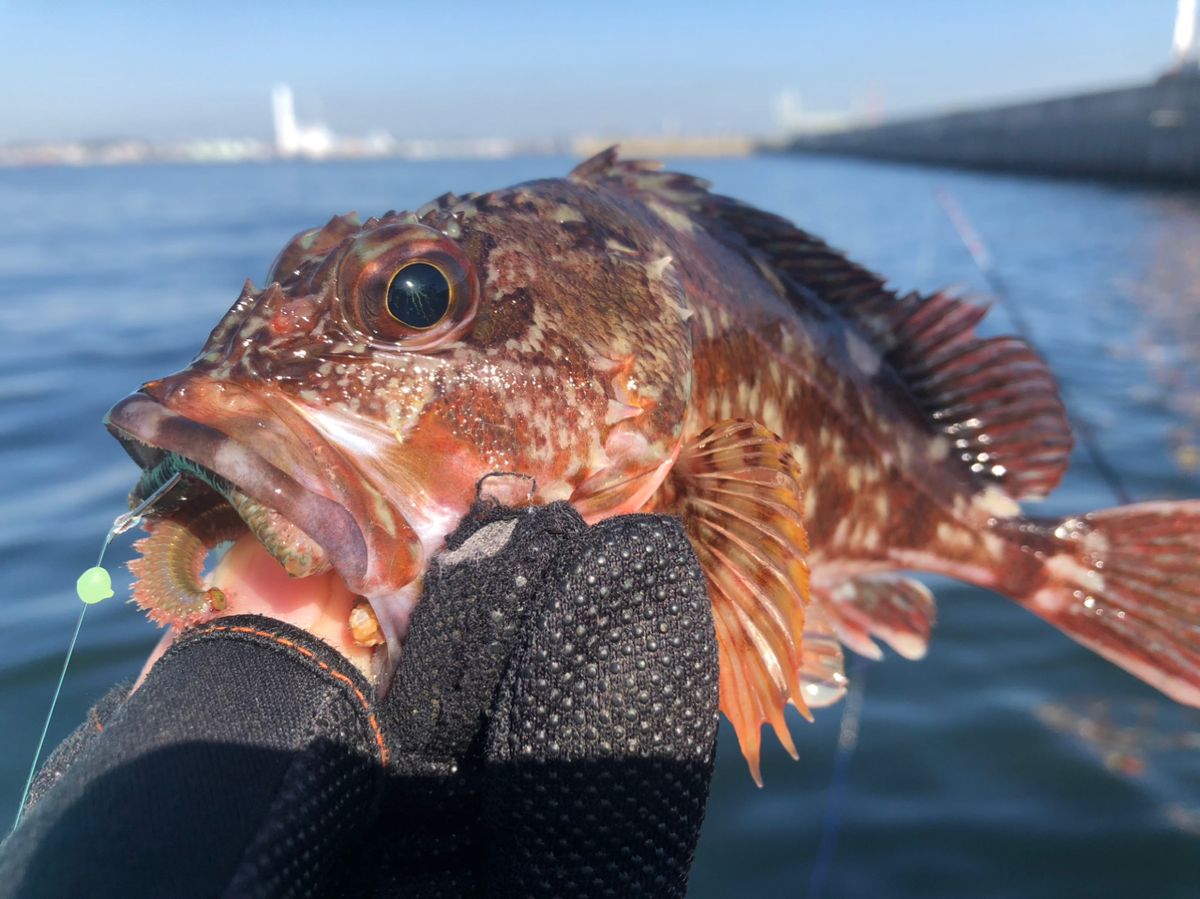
(149, 431)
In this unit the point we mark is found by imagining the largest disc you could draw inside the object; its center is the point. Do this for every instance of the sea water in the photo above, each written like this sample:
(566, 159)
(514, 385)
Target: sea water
(967, 774)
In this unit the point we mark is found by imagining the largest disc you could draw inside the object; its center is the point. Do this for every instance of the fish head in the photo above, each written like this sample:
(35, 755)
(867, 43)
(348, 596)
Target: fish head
(348, 410)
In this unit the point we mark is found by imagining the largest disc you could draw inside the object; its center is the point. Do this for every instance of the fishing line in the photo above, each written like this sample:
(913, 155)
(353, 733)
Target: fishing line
(831, 823)
(855, 695)
(983, 261)
(93, 586)
(831, 817)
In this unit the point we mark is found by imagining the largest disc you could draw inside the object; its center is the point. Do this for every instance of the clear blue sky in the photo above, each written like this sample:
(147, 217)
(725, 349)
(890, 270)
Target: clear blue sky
(441, 69)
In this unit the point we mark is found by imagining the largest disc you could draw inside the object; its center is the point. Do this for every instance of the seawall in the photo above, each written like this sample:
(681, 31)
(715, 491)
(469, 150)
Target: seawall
(1145, 133)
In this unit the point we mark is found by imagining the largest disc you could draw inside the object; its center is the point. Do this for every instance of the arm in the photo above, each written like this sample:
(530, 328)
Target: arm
(550, 729)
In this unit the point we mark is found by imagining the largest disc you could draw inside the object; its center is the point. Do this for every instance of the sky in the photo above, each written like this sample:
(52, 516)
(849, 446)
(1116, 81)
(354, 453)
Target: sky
(527, 70)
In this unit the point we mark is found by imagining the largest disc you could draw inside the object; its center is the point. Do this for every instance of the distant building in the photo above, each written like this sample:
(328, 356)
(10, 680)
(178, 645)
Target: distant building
(792, 117)
(293, 139)
(1185, 52)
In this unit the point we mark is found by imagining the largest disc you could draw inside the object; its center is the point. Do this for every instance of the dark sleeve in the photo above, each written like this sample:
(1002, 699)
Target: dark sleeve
(274, 763)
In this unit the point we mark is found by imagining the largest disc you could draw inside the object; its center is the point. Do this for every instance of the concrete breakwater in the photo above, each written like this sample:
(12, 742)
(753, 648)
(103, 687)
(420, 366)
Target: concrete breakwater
(1145, 133)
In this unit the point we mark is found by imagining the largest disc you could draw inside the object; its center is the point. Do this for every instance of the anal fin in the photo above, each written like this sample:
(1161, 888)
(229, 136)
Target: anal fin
(822, 669)
(898, 610)
(736, 487)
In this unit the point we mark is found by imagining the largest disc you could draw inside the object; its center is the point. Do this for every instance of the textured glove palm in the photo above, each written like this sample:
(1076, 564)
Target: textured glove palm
(553, 719)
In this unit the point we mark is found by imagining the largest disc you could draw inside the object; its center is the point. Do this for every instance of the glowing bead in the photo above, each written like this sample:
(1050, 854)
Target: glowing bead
(94, 585)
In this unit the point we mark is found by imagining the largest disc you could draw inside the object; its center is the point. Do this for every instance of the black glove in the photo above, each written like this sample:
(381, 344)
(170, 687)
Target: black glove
(550, 731)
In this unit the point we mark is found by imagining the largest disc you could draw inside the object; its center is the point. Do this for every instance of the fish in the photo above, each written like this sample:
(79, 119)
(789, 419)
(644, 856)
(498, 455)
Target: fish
(626, 339)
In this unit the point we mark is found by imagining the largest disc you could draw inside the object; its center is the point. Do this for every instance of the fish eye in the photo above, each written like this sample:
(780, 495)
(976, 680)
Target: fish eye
(407, 286)
(419, 295)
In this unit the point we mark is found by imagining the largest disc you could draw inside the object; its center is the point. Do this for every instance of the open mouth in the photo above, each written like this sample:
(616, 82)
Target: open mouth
(203, 512)
(201, 488)
(225, 493)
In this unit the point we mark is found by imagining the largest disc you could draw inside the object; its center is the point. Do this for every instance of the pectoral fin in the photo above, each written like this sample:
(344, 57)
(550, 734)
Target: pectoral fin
(737, 489)
(637, 470)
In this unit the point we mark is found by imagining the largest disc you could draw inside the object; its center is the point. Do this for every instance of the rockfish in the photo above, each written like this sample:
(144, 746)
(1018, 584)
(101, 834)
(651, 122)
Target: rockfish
(626, 340)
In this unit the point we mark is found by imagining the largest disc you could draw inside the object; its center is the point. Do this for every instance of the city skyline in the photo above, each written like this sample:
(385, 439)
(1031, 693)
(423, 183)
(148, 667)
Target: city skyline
(539, 72)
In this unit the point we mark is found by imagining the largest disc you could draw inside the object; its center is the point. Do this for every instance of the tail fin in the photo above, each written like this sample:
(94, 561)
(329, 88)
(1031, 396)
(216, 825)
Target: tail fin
(1127, 585)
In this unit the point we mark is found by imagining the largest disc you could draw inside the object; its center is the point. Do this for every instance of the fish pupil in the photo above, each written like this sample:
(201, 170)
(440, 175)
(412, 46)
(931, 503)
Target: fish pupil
(419, 295)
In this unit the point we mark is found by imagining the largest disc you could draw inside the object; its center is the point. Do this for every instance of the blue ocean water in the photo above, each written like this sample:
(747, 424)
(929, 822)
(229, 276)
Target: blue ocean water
(1008, 762)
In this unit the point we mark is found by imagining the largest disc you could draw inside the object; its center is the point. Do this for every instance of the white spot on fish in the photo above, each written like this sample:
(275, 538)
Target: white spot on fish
(1096, 543)
(565, 213)
(555, 491)
(673, 217)
(616, 248)
(656, 268)
(955, 538)
(800, 454)
(862, 354)
(997, 503)
(1065, 567)
(771, 416)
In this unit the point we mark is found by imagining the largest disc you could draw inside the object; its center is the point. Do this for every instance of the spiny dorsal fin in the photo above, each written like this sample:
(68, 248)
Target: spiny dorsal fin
(738, 493)
(993, 399)
(311, 246)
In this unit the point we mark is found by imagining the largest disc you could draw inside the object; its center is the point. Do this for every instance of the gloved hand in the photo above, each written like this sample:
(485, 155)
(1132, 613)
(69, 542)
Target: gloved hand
(549, 731)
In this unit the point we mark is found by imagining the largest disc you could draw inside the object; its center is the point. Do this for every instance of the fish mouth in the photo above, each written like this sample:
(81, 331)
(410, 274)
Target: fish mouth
(246, 465)
(298, 553)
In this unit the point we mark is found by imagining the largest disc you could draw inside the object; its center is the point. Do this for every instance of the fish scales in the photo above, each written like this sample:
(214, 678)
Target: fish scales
(627, 340)
(760, 357)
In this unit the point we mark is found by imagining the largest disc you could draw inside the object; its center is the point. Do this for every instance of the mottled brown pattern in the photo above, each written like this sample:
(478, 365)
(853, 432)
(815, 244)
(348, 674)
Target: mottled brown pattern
(914, 437)
(630, 340)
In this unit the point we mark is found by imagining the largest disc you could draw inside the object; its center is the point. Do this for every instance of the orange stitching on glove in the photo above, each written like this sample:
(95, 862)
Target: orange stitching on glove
(308, 653)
